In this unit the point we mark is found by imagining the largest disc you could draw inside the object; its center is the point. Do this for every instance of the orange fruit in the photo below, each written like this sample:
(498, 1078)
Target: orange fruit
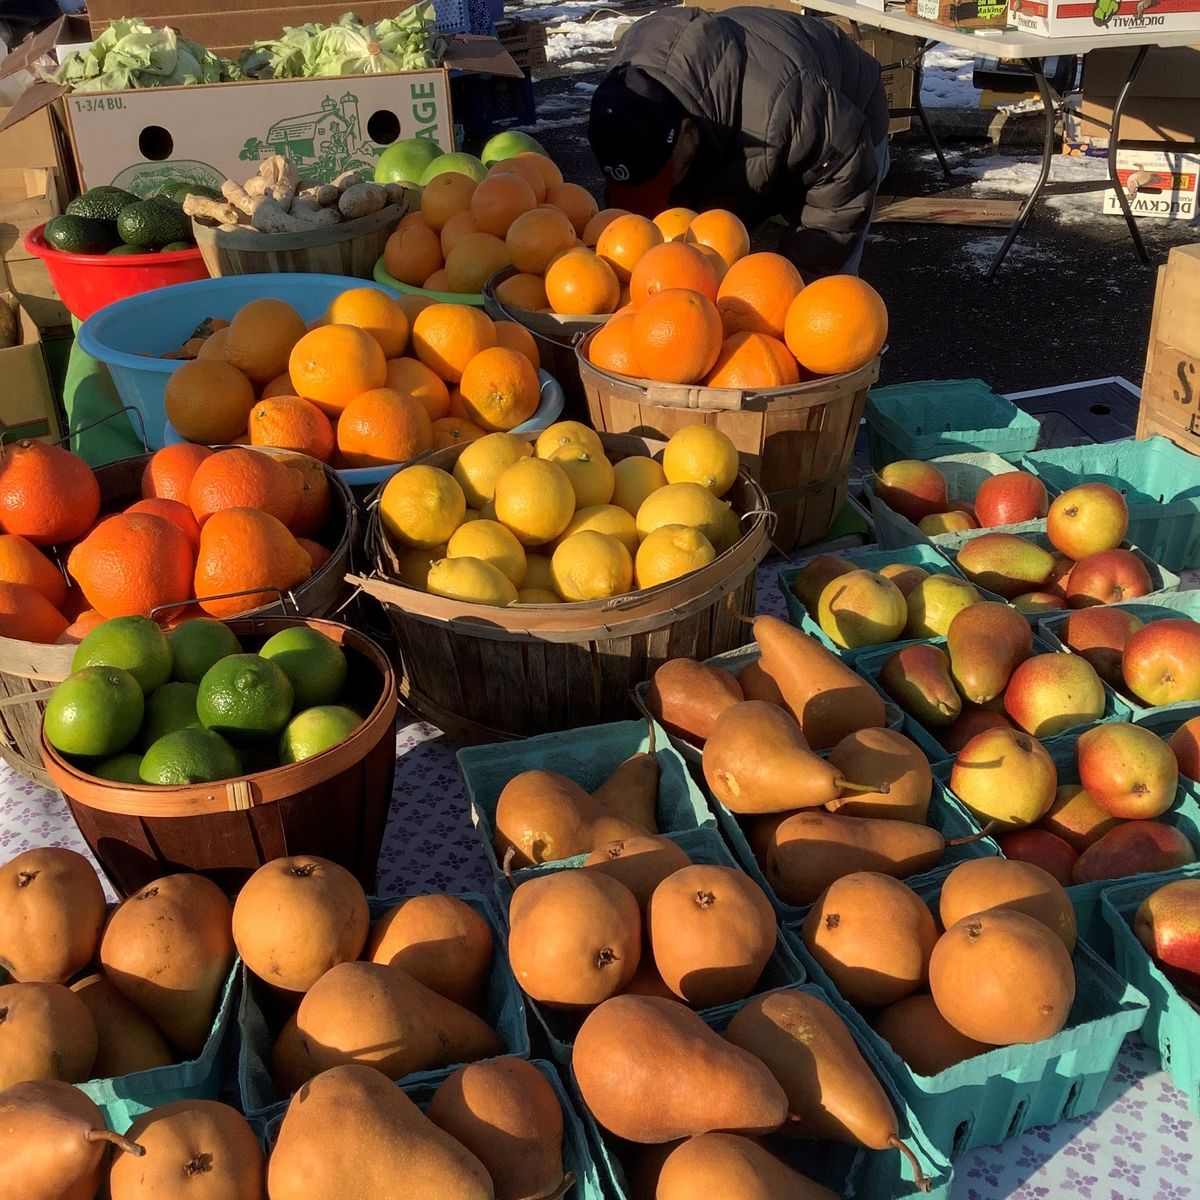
(411, 255)
(208, 401)
(238, 478)
(457, 407)
(577, 202)
(333, 364)
(27, 616)
(499, 200)
(411, 377)
(445, 195)
(455, 230)
(447, 336)
(281, 385)
(624, 242)
(171, 510)
(528, 171)
(243, 549)
(413, 304)
(47, 494)
(381, 427)
(22, 562)
(375, 311)
(581, 283)
(676, 336)
(719, 229)
(312, 491)
(546, 166)
(260, 337)
(454, 431)
(319, 554)
(611, 349)
(83, 624)
(475, 259)
(836, 324)
(672, 265)
(439, 281)
(517, 337)
(753, 360)
(74, 604)
(292, 423)
(169, 472)
(715, 261)
(599, 223)
(535, 238)
(523, 291)
(213, 346)
(756, 293)
(413, 218)
(673, 223)
(132, 563)
(500, 388)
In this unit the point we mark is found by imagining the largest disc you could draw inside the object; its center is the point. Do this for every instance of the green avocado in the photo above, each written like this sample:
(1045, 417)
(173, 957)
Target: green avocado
(171, 247)
(123, 249)
(150, 224)
(101, 203)
(177, 193)
(80, 235)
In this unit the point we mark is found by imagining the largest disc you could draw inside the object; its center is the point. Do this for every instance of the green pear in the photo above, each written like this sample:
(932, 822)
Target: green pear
(861, 608)
(935, 602)
(1005, 564)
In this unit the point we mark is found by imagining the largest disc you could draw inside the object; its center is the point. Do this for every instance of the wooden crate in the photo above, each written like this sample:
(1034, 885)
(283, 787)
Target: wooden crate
(1171, 387)
(28, 198)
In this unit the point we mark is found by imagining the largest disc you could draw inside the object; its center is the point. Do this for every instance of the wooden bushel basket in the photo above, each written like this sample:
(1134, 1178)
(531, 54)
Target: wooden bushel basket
(334, 804)
(797, 441)
(484, 673)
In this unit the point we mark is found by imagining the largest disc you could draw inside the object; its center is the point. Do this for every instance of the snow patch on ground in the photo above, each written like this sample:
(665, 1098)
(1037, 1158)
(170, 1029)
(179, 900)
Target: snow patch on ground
(570, 39)
(946, 79)
(1000, 175)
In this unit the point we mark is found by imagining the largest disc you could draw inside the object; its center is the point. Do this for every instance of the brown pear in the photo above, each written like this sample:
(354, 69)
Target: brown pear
(168, 948)
(505, 1112)
(871, 960)
(351, 1132)
(128, 1041)
(812, 578)
(575, 937)
(712, 930)
(46, 1032)
(917, 677)
(759, 833)
(922, 1037)
(832, 1093)
(883, 756)
(380, 1017)
(984, 884)
(734, 1168)
(651, 1070)
(197, 1148)
(1077, 818)
(441, 941)
(647, 981)
(631, 791)
(986, 643)
(758, 685)
(291, 1064)
(51, 915)
(53, 1144)
(542, 816)
(688, 696)
(640, 863)
(827, 697)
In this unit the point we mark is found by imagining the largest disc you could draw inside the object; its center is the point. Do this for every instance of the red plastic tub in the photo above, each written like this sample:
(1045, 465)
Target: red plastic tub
(87, 282)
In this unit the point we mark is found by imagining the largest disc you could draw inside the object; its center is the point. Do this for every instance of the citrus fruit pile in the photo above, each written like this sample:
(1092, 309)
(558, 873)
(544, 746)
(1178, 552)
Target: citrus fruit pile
(190, 706)
(208, 523)
(557, 521)
(377, 380)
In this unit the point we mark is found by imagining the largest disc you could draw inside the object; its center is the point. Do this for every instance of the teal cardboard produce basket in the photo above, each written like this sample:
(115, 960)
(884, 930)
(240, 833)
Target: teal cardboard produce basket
(1164, 722)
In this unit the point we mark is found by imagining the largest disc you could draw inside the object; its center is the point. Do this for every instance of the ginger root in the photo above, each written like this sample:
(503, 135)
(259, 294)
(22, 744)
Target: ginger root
(324, 194)
(210, 210)
(240, 198)
(271, 217)
(348, 179)
(362, 200)
(282, 178)
(308, 210)
(397, 193)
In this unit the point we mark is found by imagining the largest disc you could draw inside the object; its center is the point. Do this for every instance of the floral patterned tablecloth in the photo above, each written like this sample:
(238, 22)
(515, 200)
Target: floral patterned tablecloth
(1136, 1146)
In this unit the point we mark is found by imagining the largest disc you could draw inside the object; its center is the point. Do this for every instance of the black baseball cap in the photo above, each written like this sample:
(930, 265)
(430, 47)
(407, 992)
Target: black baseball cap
(633, 129)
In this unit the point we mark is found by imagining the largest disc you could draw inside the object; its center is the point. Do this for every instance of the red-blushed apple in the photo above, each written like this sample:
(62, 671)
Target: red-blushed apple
(1128, 770)
(1161, 663)
(1038, 602)
(1185, 745)
(1076, 818)
(1010, 497)
(1087, 519)
(1099, 634)
(1167, 923)
(972, 721)
(1132, 848)
(1051, 693)
(912, 488)
(954, 521)
(1043, 849)
(1060, 575)
(1108, 578)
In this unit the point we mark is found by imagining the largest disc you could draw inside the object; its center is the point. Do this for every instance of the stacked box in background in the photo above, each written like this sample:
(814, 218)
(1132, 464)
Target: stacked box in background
(1171, 387)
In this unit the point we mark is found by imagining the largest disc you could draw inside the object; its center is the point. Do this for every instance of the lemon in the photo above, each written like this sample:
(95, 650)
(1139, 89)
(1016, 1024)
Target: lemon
(538, 596)
(472, 514)
(704, 455)
(538, 574)
(488, 511)
(422, 506)
(491, 542)
(693, 505)
(669, 552)
(567, 433)
(472, 580)
(535, 499)
(635, 478)
(605, 518)
(412, 566)
(483, 461)
(591, 474)
(591, 566)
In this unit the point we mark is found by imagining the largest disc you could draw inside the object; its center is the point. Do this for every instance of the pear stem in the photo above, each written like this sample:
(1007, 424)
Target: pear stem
(966, 841)
(919, 1178)
(653, 735)
(568, 1182)
(115, 1139)
(847, 786)
(745, 620)
(506, 866)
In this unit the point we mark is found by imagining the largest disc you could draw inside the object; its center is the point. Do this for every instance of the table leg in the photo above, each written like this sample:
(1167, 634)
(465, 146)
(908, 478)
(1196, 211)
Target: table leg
(919, 107)
(1114, 141)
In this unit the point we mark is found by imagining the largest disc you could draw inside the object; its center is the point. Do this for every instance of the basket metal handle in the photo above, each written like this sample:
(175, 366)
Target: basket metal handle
(281, 596)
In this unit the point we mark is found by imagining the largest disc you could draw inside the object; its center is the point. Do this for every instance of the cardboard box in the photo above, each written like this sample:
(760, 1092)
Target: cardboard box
(962, 14)
(1076, 18)
(28, 408)
(1171, 387)
(1158, 183)
(1164, 105)
(28, 198)
(41, 140)
(29, 281)
(525, 42)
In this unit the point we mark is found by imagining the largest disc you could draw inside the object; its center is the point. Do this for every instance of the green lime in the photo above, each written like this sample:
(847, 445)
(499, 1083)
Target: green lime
(136, 644)
(316, 729)
(121, 768)
(95, 712)
(199, 643)
(190, 756)
(245, 697)
(314, 663)
(168, 708)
